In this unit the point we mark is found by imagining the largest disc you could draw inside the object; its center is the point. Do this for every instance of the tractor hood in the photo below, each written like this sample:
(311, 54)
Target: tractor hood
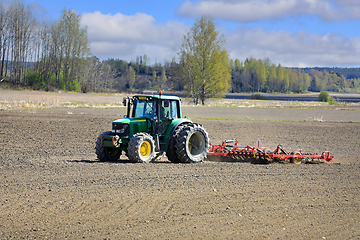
(129, 120)
(126, 127)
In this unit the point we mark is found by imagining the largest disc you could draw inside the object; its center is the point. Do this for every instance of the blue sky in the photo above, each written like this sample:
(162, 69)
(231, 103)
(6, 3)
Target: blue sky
(294, 33)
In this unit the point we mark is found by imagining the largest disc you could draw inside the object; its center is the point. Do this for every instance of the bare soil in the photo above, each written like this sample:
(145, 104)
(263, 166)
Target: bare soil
(52, 186)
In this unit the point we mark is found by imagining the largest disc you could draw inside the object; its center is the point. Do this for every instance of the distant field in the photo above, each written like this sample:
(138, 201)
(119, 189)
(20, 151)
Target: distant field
(15, 100)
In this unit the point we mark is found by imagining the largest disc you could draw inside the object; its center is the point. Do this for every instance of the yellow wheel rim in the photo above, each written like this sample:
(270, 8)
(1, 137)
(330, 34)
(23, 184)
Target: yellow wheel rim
(297, 160)
(145, 149)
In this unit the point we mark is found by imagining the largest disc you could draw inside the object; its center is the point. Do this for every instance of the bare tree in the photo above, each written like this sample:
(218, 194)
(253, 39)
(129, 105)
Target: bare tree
(75, 45)
(4, 38)
(21, 23)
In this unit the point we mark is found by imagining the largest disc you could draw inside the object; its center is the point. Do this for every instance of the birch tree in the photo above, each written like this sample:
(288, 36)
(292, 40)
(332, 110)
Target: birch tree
(20, 25)
(74, 45)
(204, 62)
(4, 39)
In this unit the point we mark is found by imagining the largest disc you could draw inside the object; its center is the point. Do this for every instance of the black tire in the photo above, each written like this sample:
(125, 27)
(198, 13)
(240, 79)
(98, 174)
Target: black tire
(192, 143)
(171, 151)
(106, 154)
(141, 148)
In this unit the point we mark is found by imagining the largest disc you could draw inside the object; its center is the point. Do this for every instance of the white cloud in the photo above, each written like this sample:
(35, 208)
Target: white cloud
(350, 7)
(125, 37)
(347, 3)
(294, 50)
(255, 10)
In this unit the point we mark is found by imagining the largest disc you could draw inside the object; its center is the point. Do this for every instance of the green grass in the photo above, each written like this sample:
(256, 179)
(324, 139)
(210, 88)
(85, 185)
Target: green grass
(263, 104)
(265, 120)
(22, 105)
(241, 119)
(91, 105)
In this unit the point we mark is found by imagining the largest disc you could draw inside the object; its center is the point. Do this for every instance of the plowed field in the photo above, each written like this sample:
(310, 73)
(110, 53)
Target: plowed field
(52, 186)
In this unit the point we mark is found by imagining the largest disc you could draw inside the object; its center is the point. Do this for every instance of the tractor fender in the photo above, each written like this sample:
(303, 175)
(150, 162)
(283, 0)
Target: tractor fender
(175, 126)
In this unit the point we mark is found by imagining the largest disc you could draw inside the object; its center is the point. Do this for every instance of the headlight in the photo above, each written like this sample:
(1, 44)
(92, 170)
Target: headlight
(122, 130)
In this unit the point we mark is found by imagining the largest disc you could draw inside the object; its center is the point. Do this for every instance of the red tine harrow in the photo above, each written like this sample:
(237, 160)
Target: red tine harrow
(231, 150)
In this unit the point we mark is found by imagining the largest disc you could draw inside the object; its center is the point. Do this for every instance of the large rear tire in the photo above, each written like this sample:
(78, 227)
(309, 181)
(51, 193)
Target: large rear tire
(141, 148)
(106, 154)
(171, 152)
(192, 143)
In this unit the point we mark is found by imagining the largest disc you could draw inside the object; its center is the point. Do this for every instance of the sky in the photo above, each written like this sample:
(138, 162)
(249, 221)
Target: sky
(293, 33)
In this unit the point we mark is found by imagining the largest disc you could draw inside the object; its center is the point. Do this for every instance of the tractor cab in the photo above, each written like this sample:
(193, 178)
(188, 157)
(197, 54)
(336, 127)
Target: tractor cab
(153, 107)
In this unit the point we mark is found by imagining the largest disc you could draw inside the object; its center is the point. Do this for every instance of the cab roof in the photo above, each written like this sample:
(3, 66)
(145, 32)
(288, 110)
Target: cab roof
(158, 96)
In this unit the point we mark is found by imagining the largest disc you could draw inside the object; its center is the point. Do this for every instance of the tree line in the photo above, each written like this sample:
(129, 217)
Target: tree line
(257, 75)
(56, 55)
(251, 75)
(348, 73)
(326, 79)
(254, 75)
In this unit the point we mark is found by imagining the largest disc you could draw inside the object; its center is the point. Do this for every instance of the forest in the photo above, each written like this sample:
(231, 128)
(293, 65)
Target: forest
(55, 55)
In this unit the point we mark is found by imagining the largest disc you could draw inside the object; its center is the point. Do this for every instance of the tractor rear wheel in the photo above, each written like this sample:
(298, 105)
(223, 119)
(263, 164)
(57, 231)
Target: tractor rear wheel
(141, 148)
(106, 154)
(171, 152)
(192, 143)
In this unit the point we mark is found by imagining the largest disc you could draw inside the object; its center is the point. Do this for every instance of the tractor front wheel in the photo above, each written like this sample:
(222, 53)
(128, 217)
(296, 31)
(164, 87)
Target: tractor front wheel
(141, 148)
(192, 143)
(106, 154)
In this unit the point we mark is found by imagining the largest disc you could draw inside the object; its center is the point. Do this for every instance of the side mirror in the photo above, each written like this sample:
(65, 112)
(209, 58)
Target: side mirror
(124, 102)
(166, 103)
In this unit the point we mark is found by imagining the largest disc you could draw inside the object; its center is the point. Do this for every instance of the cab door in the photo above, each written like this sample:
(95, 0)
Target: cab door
(168, 112)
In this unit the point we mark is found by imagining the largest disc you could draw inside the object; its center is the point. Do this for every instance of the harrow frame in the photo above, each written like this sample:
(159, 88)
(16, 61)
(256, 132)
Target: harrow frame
(241, 153)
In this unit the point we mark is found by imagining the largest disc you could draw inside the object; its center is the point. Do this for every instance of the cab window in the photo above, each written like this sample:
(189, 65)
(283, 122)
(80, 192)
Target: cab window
(174, 109)
(165, 109)
(144, 108)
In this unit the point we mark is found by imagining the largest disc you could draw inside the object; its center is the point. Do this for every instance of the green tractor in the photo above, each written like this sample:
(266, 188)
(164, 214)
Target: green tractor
(153, 125)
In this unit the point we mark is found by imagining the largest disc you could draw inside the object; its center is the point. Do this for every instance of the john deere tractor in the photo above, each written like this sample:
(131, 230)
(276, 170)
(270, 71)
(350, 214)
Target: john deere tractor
(153, 125)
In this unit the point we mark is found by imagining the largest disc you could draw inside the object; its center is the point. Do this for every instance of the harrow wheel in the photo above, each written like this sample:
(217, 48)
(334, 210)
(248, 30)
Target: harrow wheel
(296, 160)
(106, 154)
(141, 148)
(192, 143)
